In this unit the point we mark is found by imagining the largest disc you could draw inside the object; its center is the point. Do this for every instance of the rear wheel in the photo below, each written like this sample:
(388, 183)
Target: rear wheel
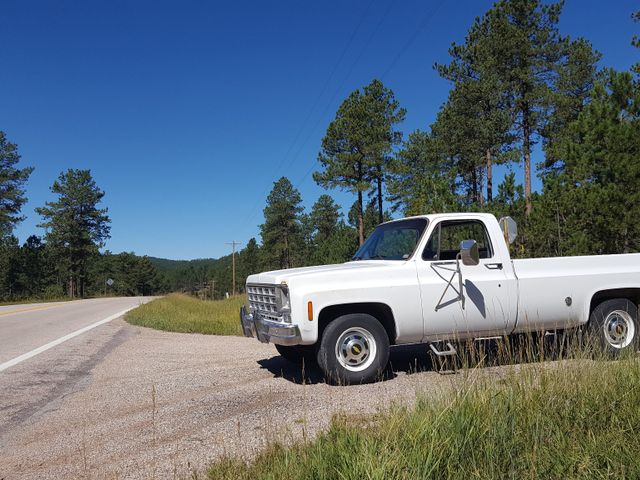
(354, 349)
(613, 326)
(298, 354)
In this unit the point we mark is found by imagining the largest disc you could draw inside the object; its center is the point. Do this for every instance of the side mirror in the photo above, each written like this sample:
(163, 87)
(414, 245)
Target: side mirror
(469, 253)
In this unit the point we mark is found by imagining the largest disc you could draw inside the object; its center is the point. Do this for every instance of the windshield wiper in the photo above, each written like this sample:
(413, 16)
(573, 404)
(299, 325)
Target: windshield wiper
(373, 257)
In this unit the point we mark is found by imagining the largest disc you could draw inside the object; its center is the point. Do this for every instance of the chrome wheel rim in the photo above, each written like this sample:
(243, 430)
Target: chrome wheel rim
(356, 349)
(619, 329)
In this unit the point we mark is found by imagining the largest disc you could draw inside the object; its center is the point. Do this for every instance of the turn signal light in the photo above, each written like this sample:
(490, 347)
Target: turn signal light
(310, 311)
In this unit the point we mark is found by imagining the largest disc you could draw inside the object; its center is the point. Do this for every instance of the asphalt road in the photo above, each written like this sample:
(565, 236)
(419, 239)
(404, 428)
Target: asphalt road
(45, 350)
(119, 401)
(24, 328)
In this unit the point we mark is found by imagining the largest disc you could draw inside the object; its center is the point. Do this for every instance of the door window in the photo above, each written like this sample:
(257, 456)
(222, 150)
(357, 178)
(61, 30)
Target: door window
(444, 243)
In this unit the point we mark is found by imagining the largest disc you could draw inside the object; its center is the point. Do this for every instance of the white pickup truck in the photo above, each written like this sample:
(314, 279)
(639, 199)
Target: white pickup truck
(437, 279)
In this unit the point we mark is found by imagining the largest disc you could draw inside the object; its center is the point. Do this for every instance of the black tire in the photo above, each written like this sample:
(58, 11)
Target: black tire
(613, 327)
(368, 356)
(298, 354)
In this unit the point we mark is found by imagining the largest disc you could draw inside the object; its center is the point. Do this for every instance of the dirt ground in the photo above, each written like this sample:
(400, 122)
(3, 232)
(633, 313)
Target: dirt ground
(129, 402)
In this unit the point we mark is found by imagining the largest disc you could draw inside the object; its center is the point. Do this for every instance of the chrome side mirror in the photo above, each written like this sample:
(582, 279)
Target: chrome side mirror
(469, 252)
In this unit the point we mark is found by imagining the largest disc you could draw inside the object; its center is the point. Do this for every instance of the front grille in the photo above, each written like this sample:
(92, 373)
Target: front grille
(262, 299)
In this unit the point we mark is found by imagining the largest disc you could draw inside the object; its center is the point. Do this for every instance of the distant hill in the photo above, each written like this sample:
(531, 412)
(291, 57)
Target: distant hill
(191, 275)
(165, 264)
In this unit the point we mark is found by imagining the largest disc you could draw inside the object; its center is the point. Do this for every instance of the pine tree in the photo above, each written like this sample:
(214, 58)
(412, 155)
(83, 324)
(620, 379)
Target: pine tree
(33, 267)
(370, 216)
(329, 239)
(281, 230)
(324, 217)
(9, 268)
(422, 179)
(591, 206)
(517, 45)
(473, 127)
(249, 260)
(12, 181)
(343, 154)
(146, 276)
(338, 247)
(384, 113)
(472, 130)
(526, 48)
(358, 143)
(76, 227)
(576, 78)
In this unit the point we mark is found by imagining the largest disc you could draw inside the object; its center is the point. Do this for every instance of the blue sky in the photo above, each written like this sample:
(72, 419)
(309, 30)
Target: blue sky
(186, 112)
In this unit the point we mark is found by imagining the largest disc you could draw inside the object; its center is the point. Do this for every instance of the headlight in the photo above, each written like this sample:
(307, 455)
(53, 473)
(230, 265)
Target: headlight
(283, 302)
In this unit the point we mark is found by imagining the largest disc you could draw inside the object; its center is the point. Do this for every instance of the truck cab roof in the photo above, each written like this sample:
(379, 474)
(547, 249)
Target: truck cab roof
(435, 216)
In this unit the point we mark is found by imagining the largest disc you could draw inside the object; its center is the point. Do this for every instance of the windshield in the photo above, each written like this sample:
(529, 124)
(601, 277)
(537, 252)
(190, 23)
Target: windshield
(392, 241)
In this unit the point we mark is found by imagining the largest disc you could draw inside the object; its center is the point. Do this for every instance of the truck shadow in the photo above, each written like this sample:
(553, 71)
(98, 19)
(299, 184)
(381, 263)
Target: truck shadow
(416, 358)
(300, 374)
(403, 358)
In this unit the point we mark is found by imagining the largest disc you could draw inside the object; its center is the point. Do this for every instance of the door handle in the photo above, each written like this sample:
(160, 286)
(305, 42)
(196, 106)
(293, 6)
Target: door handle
(493, 266)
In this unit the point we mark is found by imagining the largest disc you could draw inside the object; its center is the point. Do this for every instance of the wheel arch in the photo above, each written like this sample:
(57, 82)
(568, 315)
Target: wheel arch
(380, 311)
(630, 293)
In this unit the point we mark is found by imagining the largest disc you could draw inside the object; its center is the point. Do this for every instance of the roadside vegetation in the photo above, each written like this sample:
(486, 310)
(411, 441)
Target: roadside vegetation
(575, 419)
(186, 314)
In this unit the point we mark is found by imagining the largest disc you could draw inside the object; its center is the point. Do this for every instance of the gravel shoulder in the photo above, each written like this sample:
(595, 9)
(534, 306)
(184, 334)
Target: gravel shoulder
(138, 403)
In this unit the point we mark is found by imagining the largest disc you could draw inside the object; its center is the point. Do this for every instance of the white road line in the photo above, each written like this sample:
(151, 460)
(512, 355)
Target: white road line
(44, 348)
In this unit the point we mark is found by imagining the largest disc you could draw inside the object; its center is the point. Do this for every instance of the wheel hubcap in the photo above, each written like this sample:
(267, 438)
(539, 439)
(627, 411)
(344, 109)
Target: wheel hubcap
(356, 349)
(619, 329)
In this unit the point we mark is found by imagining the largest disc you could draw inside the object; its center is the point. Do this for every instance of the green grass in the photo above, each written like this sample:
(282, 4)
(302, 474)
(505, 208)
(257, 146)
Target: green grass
(570, 419)
(182, 313)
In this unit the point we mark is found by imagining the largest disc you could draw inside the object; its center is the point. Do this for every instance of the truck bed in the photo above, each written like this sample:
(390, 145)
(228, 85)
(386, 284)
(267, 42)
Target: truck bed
(557, 290)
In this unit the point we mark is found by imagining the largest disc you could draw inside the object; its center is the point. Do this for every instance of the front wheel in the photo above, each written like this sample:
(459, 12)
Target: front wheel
(613, 326)
(354, 349)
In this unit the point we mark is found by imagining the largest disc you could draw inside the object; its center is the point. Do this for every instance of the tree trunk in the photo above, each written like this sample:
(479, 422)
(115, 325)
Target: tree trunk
(360, 210)
(360, 219)
(286, 253)
(480, 184)
(489, 177)
(474, 185)
(526, 145)
(380, 212)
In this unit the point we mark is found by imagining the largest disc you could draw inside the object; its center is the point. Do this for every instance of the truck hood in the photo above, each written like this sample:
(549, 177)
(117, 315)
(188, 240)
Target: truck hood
(279, 276)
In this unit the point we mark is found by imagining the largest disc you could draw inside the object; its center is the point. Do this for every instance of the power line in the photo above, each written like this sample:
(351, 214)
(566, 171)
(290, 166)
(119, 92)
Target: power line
(413, 37)
(326, 84)
(423, 23)
(342, 85)
(314, 105)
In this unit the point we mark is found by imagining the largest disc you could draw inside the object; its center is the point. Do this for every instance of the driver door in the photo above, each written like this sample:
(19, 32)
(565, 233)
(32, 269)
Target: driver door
(487, 309)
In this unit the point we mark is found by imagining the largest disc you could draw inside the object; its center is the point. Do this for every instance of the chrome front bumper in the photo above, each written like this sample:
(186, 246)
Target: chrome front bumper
(253, 325)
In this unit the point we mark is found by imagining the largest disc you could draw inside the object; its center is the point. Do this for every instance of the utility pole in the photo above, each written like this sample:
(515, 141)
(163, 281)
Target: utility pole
(233, 244)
